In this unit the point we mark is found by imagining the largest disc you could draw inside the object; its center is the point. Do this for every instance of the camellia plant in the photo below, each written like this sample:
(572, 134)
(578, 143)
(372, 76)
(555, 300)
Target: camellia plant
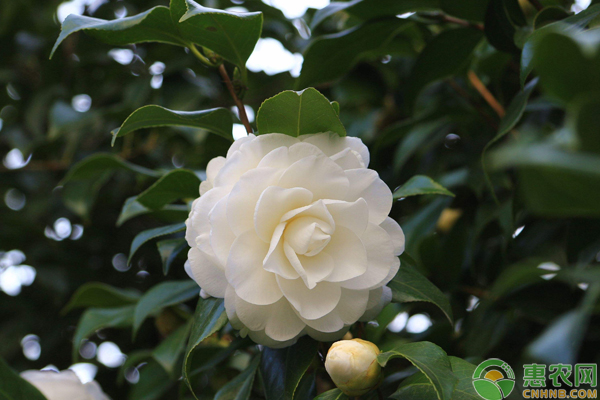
(284, 264)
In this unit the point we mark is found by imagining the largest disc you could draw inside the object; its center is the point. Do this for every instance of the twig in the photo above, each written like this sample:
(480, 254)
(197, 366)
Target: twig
(462, 22)
(486, 94)
(238, 102)
(536, 3)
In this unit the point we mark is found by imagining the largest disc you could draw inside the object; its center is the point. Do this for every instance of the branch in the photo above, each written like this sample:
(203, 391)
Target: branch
(461, 22)
(238, 102)
(486, 94)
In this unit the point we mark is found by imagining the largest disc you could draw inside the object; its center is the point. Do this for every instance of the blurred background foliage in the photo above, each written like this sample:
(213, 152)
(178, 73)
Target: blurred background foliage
(495, 100)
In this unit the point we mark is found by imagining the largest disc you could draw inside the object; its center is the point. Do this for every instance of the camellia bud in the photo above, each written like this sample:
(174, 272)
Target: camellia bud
(352, 365)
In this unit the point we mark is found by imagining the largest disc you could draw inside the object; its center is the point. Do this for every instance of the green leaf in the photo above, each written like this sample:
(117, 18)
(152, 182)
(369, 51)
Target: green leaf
(514, 112)
(210, 316)
(333, 394)
(241, 386)
(414, 137)
(163, 295)
(330, 57)
(283, 369)
(584, 121)
(97, 294)
(298, 113)
(13, 387)
(169, 250)
(500, 22)
(153, 383)
(169, 351)
(470, 10)
(423, 223)
(175, 185)
(420, 185)
(371, 9)
(154, 25)
(216, 120)
(418, 387)
(231, 35)
(96, 165)
(454, 46)
(170, 213)
(150, 234)
(553, 182)
(100, 318)
(409, 285)
(574, 23)
(430, 360)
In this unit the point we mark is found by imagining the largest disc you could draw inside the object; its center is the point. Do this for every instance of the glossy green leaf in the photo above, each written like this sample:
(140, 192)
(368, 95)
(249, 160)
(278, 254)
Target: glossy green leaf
(150, 234)
(13, 387)
(418, 387)
(100, 318)
(409, 285)
(174, 185)
(283, 369)
(333, 394)
(95, 165)
(330, 57)
(169, 250)
(170, 213)
(216, 120)
(470, 10)
(97, 294)
(430, 360)
(413, 137)
(553, 182)
(549, 15)
(584, 120)
(420, 185)
(454, 46)
(298, 113)
(500, 24)
(240, 387)
(209, 317)
(153, 383)
(371, 9)
(169, 351)
(571, 24)
(423, 223)
(232, 35)
(154, 25)
(163, 295)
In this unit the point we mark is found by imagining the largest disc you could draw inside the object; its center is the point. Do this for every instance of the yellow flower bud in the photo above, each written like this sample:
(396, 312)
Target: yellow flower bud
(352, 365)
(447, 219)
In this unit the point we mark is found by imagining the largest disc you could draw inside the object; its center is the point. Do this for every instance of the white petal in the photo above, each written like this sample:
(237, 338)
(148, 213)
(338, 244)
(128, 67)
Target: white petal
(378, 299)
(213, 168)
(327, 337)
(278, 320)
(331, 143)
(273, 203)
(276, 261)
(323, 177)
(245, 270)
(283, 157)
(351, 307)
(349, 254)
(352, 215)
(262, 338)
(380, 256)
(230, 298)
(366, 183)
(311, 303)
(348, 159)
(207, 274)
(316, 210)
(396, 233)
(244, 196)
(311, 269)
(221, 236)
(239, 142)
(198, 222)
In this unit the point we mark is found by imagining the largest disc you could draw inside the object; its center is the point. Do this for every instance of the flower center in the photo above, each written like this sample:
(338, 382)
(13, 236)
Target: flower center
(307, 235)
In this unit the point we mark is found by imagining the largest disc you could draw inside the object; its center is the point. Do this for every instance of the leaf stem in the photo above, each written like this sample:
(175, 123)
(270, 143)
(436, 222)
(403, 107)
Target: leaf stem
(236, 99)
(485, 93)
(200, 56)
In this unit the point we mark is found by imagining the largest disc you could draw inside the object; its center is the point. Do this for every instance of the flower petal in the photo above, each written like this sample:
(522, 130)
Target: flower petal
(348, 159)
(351, 307)
(276, 261)
(273, 203)
(352, 215)
(245, 271)
(378, 299)
(212, 169)
(349, 254)
(323, 177)
(221, 236)
(396, 233)
(380, 259)
(331, 143)
(198, 222)
(283, 157)
(366, 183)
(311, 303)
(244, 196)
(207, 274)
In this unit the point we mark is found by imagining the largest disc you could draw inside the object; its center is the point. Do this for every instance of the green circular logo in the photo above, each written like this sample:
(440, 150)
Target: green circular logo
(493, 379)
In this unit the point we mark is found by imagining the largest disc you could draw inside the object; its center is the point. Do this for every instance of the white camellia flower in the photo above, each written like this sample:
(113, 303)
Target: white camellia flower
(294, 233)
(64, 385)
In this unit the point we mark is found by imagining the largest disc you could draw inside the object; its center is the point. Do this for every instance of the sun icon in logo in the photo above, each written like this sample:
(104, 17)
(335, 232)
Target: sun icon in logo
(493, 379)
